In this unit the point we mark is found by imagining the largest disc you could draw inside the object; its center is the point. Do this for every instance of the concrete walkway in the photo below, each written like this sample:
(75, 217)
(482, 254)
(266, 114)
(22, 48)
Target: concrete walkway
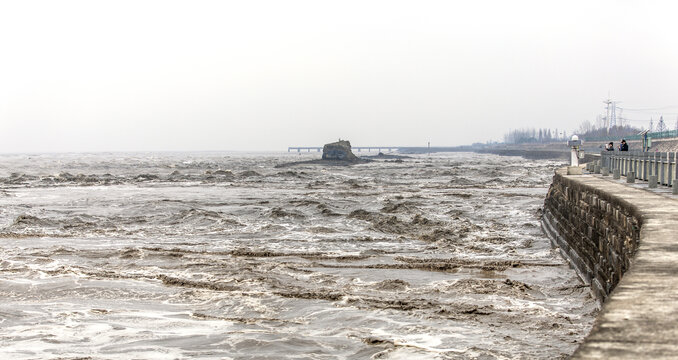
(640, 319)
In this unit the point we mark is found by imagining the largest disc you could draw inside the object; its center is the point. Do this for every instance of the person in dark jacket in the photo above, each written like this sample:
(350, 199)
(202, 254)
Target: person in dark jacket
(623, 146)
(610, 146)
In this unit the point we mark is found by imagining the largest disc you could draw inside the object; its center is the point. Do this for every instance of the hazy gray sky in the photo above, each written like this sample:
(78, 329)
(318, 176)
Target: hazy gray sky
(262, 75)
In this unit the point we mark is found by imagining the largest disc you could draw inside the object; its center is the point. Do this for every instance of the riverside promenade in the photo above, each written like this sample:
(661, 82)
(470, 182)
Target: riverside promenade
(639, 319)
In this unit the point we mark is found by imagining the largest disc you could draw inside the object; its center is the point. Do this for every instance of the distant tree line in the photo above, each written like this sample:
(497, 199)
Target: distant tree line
(587, 130)
(532, 135)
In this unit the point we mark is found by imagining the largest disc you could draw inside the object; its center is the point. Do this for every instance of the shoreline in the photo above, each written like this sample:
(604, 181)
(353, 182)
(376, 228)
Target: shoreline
(621, 241)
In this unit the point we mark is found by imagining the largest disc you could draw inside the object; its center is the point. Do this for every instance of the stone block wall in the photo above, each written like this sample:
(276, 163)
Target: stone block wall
(595, 231)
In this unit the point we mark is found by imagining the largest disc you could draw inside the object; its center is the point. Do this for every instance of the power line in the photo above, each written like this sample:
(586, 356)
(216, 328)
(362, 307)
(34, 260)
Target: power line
(636, 120)
(662, 113)
(651, 109)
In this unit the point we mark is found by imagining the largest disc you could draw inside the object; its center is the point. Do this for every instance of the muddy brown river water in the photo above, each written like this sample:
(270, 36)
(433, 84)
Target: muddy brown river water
(224, 256)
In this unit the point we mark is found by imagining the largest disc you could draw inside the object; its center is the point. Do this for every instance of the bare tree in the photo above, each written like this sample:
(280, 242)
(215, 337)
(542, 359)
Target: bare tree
(584, 127)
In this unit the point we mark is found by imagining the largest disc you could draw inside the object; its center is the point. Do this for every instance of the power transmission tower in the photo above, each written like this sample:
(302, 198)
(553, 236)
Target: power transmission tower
(651, 124)
(606, 122)
(660, 125)
(610, 113)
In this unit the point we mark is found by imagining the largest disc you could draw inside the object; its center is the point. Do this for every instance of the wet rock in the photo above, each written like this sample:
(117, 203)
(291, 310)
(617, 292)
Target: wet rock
(340, 150)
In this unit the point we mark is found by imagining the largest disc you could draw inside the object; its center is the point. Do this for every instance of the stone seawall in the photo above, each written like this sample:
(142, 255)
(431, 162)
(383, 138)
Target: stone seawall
(623, 241)
(594, 230)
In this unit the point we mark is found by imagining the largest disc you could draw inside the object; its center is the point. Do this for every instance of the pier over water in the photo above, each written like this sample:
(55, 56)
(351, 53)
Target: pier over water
(400, 149)
(355, 148)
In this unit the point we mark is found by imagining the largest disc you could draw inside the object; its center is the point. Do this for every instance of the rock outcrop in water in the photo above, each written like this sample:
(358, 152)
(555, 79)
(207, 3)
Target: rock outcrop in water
(336, 153)
(340, 150)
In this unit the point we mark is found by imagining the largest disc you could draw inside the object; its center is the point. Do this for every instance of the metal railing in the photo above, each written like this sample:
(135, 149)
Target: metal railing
(653, 135)
(643, 165)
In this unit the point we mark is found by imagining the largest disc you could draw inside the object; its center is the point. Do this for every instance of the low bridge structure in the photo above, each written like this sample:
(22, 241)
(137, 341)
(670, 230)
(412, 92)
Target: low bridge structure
(400, 149)
(307, 148)
(354, 148)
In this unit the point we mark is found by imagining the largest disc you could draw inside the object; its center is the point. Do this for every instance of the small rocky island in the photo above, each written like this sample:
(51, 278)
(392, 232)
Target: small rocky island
(335, 154)
(340, 150)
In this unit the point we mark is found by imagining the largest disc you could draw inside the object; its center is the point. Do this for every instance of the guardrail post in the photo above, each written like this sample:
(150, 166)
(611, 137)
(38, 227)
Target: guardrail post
(630, 177)
(655, 164)
(672, 160)
(605, 171)
(660, 171)
(622, 164)
(665, 159)
(664, 172)
(638, 155)
(607, 158)
(675, 167)
(616, 174)
(645, 159)
(632, 167)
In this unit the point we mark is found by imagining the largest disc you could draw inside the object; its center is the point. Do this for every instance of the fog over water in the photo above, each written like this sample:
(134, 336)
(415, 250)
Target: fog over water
(163, 75)
(223, 255)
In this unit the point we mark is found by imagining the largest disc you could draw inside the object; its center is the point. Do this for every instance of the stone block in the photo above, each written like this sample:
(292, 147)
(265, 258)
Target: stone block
(652, 181)
(574, 170)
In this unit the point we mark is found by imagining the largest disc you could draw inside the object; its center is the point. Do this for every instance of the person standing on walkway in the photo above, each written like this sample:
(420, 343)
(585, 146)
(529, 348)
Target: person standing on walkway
(610, 146)
(623, 146)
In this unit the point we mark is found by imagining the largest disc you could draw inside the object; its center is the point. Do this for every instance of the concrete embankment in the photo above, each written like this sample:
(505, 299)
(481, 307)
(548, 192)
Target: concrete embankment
(556, 152)
(623, 241)
(530, 153)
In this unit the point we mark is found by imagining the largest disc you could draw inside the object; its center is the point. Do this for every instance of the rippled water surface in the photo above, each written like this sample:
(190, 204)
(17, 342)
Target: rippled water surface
(223, 255)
